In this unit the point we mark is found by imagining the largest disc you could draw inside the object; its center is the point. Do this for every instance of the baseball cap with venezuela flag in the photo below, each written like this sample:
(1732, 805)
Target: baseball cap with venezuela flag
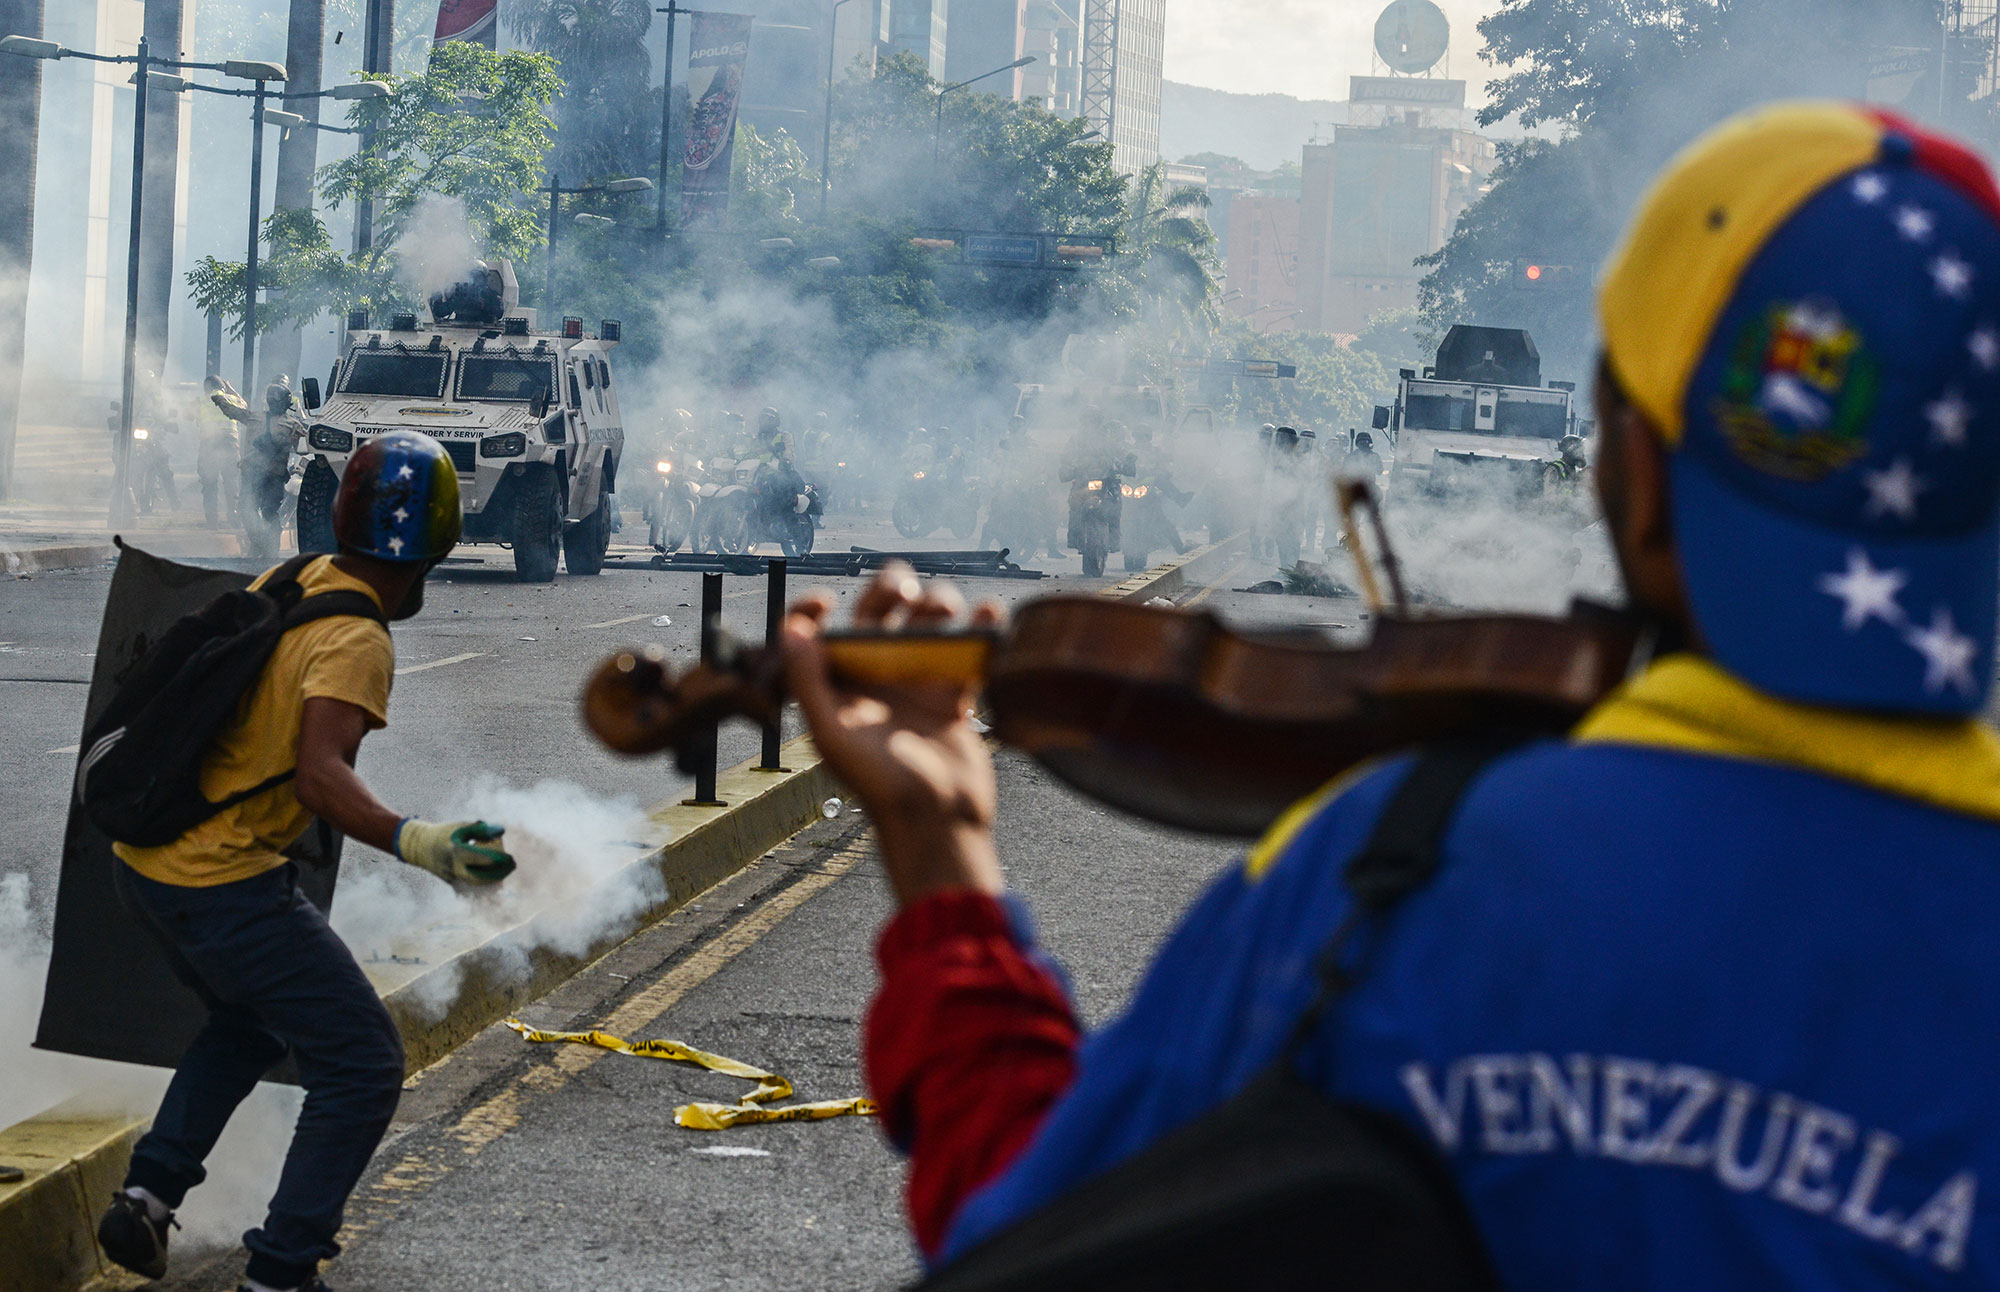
(1807, 307)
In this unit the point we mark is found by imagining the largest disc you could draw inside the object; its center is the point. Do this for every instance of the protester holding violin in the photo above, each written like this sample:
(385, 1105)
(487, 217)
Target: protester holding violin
(1724, 1023)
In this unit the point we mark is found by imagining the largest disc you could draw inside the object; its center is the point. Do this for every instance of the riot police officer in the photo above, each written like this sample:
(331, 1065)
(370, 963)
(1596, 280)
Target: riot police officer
(216, 456)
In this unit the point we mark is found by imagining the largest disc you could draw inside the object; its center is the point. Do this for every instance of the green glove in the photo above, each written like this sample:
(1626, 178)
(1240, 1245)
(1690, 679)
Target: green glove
(452, 850)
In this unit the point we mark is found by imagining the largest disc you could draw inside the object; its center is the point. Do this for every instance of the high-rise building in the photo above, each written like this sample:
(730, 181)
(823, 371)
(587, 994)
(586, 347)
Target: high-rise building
(1382, 194)
(1123, 61)
(1051, 32)
(919, 27)
(986, 34)
(1262, 282)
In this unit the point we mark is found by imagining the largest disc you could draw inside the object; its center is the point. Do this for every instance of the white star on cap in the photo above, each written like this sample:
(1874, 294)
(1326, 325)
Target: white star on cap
(404, 472)
(1894, 491)
(1915, 223)
(401, 515)
(1869, 593)
(1870, 188)
(1985, 347)
(1953, 275)
(1950, 418)
(1948, 654)
(396, 545)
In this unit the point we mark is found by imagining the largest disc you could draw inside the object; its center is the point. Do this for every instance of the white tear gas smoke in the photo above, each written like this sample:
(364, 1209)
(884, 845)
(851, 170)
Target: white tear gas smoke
(1485, 548)
(573, 882)
(436, 248)
(244, 1167)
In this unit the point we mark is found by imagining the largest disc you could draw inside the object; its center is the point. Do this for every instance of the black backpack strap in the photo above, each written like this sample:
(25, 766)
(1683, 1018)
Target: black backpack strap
(1402, 855)
(322, 605)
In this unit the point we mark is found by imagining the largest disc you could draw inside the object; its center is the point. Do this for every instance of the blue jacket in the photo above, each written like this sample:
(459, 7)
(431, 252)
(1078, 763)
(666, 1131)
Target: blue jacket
(1675, 1018)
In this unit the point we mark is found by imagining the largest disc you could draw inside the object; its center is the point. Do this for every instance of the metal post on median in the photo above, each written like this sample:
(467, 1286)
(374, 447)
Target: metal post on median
(705, 755)
(774, 618)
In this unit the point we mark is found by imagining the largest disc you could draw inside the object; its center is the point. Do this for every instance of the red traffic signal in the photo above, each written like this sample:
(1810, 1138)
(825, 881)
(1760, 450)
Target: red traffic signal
(1541, 275)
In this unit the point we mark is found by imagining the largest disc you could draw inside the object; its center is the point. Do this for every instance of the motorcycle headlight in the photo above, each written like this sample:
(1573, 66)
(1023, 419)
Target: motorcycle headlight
(919, 475)
(840, 464)
(1097, 486)
(139, 433)
(511, 445)
(1140, 492)
(664, 468)
(330, 439)
(1125, 490)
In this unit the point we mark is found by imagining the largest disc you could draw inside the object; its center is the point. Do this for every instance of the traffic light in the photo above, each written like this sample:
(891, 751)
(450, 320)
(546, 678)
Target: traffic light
(1533, 275)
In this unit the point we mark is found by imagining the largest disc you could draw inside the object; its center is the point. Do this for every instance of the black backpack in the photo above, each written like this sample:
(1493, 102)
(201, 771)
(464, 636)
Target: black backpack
(1278, 1189)
(139, 777)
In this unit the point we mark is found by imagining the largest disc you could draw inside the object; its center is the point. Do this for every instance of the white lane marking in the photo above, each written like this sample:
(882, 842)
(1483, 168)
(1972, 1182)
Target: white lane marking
(440, 663)
(68, 749)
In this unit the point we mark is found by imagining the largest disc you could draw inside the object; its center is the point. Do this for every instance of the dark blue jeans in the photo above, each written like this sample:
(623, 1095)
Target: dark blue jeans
(276, 980)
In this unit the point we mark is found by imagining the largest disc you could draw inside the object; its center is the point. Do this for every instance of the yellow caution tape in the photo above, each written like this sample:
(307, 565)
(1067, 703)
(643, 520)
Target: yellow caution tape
(748, 1111)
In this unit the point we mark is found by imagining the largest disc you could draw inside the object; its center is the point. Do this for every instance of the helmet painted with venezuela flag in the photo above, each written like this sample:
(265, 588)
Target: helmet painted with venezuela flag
(1806, 309)
(398, 500)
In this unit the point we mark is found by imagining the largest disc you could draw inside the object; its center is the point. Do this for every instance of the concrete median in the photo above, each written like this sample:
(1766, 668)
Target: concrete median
(73, 1159)
(1202, 566)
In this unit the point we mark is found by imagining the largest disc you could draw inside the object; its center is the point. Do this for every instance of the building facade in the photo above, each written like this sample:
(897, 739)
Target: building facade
(921, 27)
(1261, 279)
(986, 34)
(1382, 194)
(1140, 81)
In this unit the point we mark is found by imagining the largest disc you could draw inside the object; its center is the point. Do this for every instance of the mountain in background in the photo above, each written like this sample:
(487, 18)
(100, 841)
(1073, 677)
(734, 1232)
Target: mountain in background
(1265, 130)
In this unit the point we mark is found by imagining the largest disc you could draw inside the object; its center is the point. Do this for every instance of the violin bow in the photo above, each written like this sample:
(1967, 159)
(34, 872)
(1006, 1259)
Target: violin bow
(1354, 496)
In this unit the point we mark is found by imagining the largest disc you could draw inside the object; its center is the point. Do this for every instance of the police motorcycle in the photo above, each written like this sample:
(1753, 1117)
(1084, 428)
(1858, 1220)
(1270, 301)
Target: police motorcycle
(152, 473)
(673, 489)
(752, 501)
(935, 492)
(1147, 525)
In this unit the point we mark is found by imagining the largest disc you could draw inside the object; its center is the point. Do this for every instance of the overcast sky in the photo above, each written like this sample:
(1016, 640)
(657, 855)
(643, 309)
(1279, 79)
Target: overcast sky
(1306, 48)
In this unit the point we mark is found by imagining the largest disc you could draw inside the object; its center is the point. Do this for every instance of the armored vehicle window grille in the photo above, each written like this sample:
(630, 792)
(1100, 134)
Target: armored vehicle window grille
(387, 372)
(500, 377)
(1438, 413)
(1532, 420)
(604, 374)
(461, 452)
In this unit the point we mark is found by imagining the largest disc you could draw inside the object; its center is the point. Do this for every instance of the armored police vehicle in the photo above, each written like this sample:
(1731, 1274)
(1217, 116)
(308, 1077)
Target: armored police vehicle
(1480, 418)
(530, 419)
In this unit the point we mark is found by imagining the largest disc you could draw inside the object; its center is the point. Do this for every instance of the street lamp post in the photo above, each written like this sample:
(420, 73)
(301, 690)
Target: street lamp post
(556, 192)
(937, 132)
(666, 126)
(143, 63)
(826, 136)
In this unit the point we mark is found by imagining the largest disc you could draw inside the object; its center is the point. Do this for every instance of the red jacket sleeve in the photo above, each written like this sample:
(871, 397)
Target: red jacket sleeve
(969, 1043)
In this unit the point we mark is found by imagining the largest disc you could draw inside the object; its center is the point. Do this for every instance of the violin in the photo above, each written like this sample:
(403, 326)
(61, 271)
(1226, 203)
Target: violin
(1171, 715)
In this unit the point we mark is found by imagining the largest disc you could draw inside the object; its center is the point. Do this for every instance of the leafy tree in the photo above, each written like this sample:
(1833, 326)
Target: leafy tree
(608, 114)
(1337, 387)
(472, 126)
(1616, 87)
(1166, 269)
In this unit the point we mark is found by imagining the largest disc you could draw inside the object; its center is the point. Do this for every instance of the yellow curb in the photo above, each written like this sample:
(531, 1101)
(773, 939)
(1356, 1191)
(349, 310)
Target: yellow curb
(48, 1222)
(1182, 573)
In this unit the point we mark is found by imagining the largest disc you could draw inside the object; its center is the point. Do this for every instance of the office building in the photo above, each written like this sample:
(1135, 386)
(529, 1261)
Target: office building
(986, 34)
(1051, 32)
(1261, 279)
(919, 27)
(1386, 190)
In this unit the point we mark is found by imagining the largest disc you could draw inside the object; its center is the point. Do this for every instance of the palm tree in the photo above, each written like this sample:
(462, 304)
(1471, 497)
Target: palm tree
(298, 152)
(20, 121)
(606, 119)
(1167, 253)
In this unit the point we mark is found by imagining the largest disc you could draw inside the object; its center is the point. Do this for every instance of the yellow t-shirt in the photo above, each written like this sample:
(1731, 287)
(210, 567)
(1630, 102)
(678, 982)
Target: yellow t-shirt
(343, 658)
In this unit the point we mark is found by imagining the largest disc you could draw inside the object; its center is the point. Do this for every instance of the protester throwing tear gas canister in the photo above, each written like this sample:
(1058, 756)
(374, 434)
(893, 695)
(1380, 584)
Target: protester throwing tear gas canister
(224, 903)
(1724, 1019)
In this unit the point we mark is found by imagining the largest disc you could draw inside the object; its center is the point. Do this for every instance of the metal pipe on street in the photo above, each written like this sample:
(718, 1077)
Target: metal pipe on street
(703, 770)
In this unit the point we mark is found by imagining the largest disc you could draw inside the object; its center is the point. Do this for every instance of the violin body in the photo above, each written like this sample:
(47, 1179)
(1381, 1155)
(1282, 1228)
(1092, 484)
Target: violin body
(1171, 715)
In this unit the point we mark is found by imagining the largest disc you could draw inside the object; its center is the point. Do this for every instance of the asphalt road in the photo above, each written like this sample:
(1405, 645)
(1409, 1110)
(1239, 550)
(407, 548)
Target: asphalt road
(531, 1167)
(487, 685)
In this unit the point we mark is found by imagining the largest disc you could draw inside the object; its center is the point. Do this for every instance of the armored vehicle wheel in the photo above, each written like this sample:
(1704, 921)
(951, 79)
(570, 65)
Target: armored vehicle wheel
(586, 542)
(538, 526)
(315, 517)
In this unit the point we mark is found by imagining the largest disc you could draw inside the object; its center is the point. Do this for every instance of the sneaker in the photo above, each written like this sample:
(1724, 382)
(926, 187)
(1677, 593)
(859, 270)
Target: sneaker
(130, 1236)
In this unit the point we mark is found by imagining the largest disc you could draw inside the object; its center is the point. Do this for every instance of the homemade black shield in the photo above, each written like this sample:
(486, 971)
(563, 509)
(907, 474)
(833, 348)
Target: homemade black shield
(111, 994)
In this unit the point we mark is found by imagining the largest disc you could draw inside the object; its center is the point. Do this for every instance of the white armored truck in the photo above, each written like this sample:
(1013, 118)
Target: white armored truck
(530, 419)
(1480, 418)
